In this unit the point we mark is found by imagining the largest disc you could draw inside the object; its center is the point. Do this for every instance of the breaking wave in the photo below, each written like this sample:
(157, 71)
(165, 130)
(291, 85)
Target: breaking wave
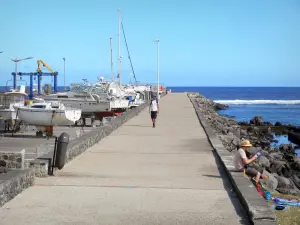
(258, 102)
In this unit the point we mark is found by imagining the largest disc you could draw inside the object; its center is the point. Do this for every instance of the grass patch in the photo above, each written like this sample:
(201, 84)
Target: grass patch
(289, 217)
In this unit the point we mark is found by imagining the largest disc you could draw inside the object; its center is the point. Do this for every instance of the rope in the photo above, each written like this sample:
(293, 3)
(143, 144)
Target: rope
(128, 52)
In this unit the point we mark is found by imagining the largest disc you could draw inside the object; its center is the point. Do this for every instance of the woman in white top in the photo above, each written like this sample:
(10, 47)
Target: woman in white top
(154, 110)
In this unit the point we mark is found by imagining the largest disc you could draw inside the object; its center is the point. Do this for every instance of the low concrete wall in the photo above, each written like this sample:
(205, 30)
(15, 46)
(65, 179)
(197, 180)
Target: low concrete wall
(13, 183)
(257, 208)
(14, 160)
(81, 144)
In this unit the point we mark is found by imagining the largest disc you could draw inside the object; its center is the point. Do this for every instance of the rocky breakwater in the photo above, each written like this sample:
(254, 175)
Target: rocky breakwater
(280, 164)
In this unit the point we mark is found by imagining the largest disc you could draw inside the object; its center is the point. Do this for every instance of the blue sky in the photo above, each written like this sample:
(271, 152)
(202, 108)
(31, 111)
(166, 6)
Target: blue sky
(203, 43)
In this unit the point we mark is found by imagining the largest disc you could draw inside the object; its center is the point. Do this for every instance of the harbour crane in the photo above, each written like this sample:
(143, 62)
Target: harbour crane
(42, 63)
(39, 73)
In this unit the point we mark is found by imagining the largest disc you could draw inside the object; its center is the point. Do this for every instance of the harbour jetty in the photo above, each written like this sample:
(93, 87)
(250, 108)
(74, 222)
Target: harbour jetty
(170, 174)
(281, 164)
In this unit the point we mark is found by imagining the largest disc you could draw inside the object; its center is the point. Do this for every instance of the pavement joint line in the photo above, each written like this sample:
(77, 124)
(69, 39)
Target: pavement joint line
(128, 187)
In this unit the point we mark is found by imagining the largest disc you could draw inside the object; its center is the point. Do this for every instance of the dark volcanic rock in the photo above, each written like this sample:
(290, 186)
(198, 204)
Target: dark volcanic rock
(281, 165)
(275, 156)
(267, 124)
(257, 121)
(243, 133)
(254, 150)
(286, 148)
(296, 166)
(290, 157)
(264, 162)
(218, 106)
(281, 168)
(284, 185)
(296, 180)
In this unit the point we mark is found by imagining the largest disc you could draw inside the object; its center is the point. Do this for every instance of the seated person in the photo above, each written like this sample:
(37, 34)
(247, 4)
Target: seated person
(242, 162)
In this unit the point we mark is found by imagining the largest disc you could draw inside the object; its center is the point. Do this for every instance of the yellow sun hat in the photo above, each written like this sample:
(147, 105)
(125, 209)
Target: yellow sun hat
(245, 143)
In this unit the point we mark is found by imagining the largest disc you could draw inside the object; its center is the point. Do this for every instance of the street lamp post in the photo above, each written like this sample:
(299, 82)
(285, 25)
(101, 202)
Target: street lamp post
(64, 73)
(16, 69)
(157, 44)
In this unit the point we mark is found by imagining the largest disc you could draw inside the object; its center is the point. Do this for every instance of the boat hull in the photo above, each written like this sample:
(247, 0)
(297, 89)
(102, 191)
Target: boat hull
(85, 106)
(49, 117)
(119, 104)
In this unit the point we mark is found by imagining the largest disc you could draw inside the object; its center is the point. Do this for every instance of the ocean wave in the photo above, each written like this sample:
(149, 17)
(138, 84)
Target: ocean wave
(258, 102)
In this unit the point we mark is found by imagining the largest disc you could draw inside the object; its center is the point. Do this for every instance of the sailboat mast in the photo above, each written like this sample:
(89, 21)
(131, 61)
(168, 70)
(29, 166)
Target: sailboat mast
(119, 46)
(111, 61)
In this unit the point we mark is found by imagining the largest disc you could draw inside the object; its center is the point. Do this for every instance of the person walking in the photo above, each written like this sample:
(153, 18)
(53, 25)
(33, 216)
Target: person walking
(154, 110)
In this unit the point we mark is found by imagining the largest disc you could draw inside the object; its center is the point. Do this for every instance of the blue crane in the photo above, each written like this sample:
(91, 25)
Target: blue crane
(39, 74)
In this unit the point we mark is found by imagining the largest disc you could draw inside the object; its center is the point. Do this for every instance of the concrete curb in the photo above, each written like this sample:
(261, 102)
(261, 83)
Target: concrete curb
(257, 208)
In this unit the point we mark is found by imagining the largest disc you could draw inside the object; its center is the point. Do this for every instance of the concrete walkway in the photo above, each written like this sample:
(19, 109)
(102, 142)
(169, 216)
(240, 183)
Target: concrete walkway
(137, 175)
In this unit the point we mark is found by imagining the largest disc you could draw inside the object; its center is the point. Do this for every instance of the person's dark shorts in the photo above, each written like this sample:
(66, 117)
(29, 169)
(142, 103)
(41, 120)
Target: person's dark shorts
(153, 114)
(251, 172)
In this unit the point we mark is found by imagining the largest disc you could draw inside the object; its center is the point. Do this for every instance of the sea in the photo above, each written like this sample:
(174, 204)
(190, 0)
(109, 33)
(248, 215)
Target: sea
(274, 104)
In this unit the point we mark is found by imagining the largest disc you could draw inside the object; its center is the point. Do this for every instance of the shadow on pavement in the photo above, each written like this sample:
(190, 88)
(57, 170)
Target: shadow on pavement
(231, 194)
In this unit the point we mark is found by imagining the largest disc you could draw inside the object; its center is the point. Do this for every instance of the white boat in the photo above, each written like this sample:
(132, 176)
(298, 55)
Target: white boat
(113, 90)
(10, 100)
(48, 114)
(101, 97)
(82, 97)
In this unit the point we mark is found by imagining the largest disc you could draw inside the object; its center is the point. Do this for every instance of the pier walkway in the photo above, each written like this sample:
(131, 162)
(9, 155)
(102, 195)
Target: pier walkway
(137, 175)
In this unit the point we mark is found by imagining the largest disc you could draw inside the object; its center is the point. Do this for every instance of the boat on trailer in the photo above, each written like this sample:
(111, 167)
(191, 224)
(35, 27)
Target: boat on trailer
(48, 114)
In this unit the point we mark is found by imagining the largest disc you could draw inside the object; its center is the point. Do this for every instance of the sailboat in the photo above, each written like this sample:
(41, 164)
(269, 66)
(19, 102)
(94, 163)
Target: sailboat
(48, 114)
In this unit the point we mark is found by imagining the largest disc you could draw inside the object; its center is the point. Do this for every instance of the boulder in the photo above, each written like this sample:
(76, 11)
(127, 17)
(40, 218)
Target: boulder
(296, 166)
(257, 121)
(264, 153)
(264, 162)
(290, 157)
(218, 106)
(284, 185)
(275, 156)
(271, 183)
(255, 150)
(243, 123)
(281, 168)
(264, 144)
(296, 181)
(286, 148)
(267, 124)
(243, 133)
